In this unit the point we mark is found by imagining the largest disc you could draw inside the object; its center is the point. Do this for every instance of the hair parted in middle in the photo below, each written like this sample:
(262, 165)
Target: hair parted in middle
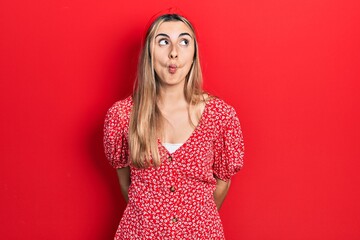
(146, 119)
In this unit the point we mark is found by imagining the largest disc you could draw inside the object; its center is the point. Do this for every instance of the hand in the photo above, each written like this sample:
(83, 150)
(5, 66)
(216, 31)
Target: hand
(220, 192)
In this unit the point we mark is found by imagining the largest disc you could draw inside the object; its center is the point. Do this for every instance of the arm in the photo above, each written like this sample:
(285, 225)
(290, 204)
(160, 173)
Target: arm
(124, 180)
(220, 192)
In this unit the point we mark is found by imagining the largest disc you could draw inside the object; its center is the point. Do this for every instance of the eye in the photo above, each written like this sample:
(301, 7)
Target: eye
(163, 42)
(184, 42)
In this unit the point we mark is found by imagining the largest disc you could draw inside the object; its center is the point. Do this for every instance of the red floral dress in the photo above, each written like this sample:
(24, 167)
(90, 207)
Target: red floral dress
(175, 201)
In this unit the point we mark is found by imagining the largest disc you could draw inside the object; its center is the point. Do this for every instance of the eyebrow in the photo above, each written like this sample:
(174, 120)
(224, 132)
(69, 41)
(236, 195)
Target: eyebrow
(165, 35)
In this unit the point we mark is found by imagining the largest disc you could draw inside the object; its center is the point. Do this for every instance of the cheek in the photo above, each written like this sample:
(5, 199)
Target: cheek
(159, 57)
(156, 63)
(189, 59)
(189, 55)
(157, 67)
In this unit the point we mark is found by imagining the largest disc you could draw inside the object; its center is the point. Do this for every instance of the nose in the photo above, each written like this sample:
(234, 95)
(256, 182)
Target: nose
(173, 53)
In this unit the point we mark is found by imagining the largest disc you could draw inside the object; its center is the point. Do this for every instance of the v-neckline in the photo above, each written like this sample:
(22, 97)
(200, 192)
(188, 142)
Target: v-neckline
(200, 123)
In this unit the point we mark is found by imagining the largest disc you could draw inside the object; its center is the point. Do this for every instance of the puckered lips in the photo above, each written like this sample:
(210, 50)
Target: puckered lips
(172, 68)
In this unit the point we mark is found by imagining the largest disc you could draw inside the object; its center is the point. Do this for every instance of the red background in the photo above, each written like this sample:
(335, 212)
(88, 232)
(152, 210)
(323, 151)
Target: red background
(290, 68)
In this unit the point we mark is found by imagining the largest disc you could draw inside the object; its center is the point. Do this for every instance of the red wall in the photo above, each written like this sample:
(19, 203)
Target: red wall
(290, 68)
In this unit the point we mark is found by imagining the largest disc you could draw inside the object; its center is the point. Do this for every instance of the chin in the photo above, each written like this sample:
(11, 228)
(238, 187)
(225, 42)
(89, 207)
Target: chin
(173, 82)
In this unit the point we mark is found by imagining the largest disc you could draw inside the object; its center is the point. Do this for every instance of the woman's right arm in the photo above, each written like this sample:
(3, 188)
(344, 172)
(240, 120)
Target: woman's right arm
(124, 180)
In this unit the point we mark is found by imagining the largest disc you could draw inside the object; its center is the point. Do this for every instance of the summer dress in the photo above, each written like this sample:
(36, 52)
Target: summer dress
(175, 200)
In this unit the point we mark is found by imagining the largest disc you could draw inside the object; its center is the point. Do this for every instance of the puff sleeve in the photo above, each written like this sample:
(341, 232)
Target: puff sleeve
(229, 149)
(115, 137)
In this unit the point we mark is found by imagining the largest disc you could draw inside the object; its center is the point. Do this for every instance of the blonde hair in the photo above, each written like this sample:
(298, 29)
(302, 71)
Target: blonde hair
(146, 118)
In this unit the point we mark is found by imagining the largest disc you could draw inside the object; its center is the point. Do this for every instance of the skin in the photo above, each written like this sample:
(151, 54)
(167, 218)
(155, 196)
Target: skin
(174, 45)
(173, 52)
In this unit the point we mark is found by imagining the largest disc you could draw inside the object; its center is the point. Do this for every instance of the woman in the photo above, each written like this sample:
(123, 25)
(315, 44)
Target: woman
(174, 146)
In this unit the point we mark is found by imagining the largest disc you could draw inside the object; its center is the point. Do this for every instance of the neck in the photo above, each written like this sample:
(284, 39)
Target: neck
(171, 95)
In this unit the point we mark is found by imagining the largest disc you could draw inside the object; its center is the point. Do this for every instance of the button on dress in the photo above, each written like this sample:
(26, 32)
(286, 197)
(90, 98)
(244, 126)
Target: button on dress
(175, 200)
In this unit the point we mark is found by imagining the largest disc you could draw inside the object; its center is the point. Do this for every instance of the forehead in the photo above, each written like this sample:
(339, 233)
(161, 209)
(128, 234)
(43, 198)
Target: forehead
(174, 28)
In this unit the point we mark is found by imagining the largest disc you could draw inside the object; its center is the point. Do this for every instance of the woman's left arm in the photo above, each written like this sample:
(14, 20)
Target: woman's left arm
(220, 192)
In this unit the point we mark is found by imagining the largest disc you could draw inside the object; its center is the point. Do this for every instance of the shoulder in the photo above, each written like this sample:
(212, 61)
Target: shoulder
(120, 110)
(220, 108)
(121, 107)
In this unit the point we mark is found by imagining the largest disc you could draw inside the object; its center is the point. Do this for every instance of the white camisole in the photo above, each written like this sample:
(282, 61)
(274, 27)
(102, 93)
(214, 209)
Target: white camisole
(172, 147)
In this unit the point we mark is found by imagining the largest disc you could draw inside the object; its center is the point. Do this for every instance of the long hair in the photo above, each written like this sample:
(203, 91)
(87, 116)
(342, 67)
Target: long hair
(146, 119)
